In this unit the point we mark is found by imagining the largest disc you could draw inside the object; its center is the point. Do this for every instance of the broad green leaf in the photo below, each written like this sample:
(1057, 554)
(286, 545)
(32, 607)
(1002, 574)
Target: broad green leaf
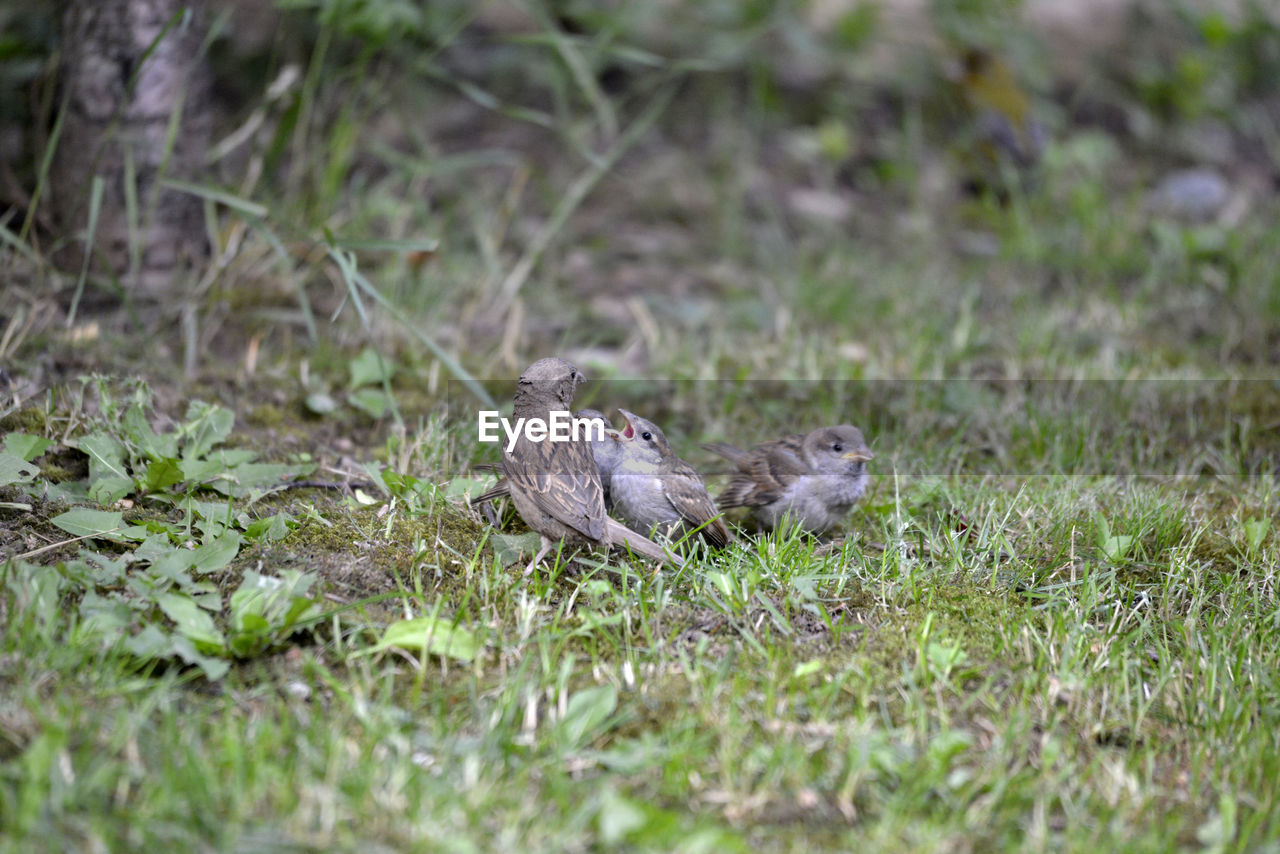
(207, 425)
(216, 553)
(274, 528)
(104, 617)
(467, 485)
(108, 490)
(217, 511)
(83, 522)
(14, 469)
(26, 446)
(370, 367)
(213, 668)
(233, 457)
(1116, 548)
(37, 592)
(618, 817)
(149, 644)
(1255, 531)
(265, 609)
(246, 477)
(153, 446)
(434, 634)
(508, 548)
(67, 492)
(587, 710)
(193, 622)
(321, 403)
(373, 402)
(162, 474)
(109, 478)
(106, 455)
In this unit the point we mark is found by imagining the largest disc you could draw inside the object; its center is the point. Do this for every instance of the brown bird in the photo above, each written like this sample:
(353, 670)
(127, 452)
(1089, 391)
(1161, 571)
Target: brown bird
(555, 485)
(654, 487)
(605, 451)
(814, 479)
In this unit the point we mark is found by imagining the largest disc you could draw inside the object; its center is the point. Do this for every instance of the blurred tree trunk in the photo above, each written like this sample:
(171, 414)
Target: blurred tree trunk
(137, 95)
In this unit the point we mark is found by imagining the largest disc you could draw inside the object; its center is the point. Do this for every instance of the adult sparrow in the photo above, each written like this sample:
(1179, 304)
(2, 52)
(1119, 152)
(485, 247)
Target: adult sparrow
(814, 478)
(555, 485)
(605, 451)
(654, 487)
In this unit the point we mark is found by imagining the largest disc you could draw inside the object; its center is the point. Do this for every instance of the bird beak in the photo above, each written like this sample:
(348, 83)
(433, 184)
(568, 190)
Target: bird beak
(630, 432)
(861, 455)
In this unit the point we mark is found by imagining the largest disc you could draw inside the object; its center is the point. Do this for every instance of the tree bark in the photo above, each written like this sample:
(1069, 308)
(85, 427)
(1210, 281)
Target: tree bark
(129, 72)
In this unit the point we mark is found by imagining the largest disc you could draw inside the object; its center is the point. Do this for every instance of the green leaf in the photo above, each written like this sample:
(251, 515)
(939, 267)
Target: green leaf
(106, 455)
(206, 425)
(508, 548)
(151, 643)
(321, 403)
(194, 623)
(25, 446)
(1255, 531)
(370, 367)
(1116, 548)
(265, 609)
(587, 710)
(136, 428)
(618, 817)
(246, 477)
(83, 522)
(213, 668)
(109, 478)
(373, 402)
(14, 469)
(274, 528)
(217, 553)
(162, 474)
(104, 617)
(108, 490)
(434, 634)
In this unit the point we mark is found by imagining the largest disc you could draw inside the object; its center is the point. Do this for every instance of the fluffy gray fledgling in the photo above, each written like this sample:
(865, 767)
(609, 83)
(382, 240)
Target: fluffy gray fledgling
(814, 478)
(555, 486)
(654, 487)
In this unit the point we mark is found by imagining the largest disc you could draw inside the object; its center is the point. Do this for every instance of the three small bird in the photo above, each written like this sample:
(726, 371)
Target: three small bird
(564, 490)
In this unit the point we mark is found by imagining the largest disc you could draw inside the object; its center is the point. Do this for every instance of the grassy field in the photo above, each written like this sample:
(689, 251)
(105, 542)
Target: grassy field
(1051, 625)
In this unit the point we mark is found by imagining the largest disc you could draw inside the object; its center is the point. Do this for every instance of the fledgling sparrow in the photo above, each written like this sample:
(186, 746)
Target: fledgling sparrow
(652, 487)
(813, 478)
(555, 486)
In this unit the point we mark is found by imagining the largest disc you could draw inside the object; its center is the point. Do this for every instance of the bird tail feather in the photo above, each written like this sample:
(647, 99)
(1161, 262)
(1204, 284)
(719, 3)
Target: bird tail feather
(620, 535)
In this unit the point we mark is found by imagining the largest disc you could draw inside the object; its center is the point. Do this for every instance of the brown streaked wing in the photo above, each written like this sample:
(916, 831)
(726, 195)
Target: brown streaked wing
(562, 481)
(766, 473)
(686, 491)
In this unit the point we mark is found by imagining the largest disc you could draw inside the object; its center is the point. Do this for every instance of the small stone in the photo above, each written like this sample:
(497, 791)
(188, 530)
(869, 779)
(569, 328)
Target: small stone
(1192, 194)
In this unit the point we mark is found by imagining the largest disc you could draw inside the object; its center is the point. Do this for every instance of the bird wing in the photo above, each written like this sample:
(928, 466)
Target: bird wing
(765, 472)
(687, 492)
(562, 481)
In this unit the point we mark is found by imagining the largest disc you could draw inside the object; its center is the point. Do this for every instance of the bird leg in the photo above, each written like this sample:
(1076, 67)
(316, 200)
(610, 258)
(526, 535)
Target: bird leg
(547, 544)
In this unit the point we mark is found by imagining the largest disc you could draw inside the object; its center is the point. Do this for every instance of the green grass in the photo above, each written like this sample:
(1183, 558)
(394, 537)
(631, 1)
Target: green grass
(1052, 624)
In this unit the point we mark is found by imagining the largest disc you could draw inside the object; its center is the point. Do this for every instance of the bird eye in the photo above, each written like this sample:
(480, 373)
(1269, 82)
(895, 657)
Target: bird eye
(646, 435)
(837, 447)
